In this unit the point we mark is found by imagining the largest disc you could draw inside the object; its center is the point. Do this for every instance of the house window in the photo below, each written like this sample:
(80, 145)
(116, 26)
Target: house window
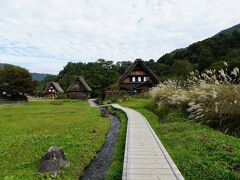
(139, 79)
(133, 79)
(144, 78)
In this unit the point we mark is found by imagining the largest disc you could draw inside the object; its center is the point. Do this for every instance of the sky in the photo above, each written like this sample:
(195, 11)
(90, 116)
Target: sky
(43, 35)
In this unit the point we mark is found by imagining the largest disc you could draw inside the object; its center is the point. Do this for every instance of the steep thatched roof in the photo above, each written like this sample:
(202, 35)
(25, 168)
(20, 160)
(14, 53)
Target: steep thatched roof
(55, 85)
(72, 87)
(143, 66)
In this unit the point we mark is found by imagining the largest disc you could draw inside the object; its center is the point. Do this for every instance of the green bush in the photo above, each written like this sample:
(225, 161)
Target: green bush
(61, 95)
(56, 102)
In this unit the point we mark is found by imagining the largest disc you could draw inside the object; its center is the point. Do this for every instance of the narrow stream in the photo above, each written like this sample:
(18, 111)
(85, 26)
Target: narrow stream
(99, 166)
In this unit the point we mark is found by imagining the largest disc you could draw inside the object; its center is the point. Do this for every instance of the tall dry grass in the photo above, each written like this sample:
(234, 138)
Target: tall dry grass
(211, 97)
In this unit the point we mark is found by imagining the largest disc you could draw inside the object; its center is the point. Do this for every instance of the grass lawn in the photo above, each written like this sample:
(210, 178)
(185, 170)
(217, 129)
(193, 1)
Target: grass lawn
(28, 130)
(199, 151)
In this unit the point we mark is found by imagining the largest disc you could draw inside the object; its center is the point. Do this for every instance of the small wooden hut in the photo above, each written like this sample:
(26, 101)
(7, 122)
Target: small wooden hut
(79, 89)
(52, 89)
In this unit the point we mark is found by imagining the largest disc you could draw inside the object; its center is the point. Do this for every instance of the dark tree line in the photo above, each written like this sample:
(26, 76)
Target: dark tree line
(98, 75)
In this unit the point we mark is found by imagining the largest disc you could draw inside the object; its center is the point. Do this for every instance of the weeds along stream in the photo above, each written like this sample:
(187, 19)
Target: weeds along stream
(99, 166)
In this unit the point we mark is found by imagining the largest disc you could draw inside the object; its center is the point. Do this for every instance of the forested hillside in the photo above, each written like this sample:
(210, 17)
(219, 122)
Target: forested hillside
(230, 30)
(210, 53)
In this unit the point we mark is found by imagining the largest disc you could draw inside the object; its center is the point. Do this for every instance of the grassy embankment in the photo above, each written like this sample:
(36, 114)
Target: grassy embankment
(28, 130)
(199, 151)
(115, 170)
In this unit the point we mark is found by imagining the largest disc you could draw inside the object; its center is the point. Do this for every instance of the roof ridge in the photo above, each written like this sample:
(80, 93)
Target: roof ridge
(83, 82)
(55, 84)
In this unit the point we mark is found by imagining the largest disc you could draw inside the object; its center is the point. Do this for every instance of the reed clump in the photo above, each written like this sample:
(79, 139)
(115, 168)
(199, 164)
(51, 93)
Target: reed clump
(211, 97)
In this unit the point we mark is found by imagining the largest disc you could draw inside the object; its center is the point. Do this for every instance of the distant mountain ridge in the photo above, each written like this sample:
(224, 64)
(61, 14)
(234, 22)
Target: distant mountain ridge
(211, 53)
(39, 76)
(223, 32)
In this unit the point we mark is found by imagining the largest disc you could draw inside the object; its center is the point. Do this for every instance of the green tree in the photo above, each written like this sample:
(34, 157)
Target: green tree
(181, 69)
(166, 59)
(205, 59)
(98, 75)
(16, 83)
(122, 66)
(218, 65)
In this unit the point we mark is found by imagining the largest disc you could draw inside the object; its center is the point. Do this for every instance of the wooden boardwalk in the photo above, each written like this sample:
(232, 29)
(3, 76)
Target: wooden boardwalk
(145, 156)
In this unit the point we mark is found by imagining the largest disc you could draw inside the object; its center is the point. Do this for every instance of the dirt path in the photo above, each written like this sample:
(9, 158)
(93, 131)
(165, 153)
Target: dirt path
(97, 169)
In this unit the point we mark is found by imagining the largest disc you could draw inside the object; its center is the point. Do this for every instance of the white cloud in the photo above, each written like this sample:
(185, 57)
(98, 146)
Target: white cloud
(56, 31)
(35, 64)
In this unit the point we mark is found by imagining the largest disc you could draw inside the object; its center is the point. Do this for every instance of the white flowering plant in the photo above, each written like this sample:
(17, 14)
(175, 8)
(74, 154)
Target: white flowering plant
(211, 97)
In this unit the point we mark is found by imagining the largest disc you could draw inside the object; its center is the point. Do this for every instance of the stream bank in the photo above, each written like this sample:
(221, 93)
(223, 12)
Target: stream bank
(99, 166)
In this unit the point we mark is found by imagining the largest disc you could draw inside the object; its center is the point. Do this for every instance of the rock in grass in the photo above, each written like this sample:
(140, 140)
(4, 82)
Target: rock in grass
(49, 166)
(53, 160)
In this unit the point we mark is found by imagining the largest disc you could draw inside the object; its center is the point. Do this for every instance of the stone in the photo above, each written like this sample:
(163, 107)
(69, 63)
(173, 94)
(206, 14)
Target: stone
(53, 148)
(53, 160)
(49, 166)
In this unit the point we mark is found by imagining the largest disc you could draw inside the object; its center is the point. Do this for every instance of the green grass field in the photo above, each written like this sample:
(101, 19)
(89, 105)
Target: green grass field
(28, 130)
(199, 151)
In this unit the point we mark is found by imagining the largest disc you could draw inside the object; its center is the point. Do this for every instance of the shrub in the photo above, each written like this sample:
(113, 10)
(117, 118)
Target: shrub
(212, 97)
(56, 102)
(99, 101)
(61, 95)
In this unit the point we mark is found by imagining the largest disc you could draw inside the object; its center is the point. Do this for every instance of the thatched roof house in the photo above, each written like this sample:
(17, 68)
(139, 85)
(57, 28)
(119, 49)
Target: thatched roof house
(137, 78)
(79, 89)
(52, 89)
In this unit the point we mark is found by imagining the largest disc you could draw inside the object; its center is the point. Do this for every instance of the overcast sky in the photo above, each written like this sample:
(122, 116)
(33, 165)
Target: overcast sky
(43, 35)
